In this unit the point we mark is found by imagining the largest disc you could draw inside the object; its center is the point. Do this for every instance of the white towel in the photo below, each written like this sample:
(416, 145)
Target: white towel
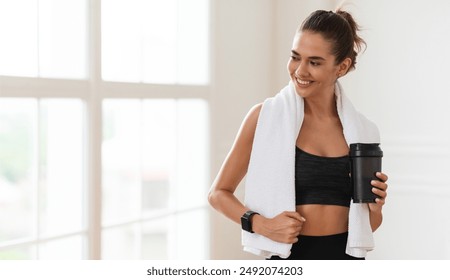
(270, 180)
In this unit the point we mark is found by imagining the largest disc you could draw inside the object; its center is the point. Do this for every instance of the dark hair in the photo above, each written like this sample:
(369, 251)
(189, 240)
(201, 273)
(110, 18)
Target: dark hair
(340, 29)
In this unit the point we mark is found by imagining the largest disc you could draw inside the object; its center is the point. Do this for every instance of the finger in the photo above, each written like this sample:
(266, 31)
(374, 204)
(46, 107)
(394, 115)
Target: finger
(379, 192)
(380, 201)
(379, 184)
(383, 177)
(295, 215)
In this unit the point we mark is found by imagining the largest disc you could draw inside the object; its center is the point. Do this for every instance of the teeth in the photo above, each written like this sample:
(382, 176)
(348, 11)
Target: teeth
(303, 82)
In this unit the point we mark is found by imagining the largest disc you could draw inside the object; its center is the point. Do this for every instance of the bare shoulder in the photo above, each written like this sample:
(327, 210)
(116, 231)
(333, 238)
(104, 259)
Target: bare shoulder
(248, 127)
(253, 113)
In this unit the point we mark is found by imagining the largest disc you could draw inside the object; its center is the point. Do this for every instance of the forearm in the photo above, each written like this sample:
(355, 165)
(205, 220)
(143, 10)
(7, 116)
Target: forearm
(226, 203)
(285, 227)
(376, 218)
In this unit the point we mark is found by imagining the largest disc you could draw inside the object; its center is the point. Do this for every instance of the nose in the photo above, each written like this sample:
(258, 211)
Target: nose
(302, 69)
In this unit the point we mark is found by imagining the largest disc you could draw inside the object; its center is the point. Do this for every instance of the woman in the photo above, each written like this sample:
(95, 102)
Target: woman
(324, 49)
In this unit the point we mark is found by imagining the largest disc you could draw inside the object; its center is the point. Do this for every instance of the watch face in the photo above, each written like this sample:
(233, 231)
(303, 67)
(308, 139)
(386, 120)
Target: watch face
(245, 221)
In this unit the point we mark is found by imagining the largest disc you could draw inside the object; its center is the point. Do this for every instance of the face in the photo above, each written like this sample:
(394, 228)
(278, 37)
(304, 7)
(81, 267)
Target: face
(312, 67)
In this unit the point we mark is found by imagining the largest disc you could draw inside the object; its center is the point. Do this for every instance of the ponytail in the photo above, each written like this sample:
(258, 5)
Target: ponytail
(358, 42)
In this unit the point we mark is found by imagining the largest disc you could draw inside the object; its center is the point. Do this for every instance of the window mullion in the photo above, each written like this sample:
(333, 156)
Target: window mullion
(38, 189)
(94, 133)
(38, 58)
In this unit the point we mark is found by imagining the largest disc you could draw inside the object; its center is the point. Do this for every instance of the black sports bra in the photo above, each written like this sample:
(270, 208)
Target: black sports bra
(322, 180)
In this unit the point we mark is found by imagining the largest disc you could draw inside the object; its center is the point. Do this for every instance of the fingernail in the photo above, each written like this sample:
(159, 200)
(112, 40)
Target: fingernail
(373, 182)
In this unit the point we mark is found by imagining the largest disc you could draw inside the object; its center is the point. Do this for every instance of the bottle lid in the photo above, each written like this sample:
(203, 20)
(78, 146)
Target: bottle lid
(365, 150)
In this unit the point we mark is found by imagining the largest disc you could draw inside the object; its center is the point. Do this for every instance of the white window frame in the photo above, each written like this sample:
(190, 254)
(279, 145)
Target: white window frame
(93, 91)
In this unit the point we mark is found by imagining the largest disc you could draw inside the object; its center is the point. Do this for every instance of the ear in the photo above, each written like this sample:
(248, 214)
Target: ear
(344, 67)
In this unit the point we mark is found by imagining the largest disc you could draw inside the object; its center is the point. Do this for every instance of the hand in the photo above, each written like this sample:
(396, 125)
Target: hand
(379, 189)
(284, 228)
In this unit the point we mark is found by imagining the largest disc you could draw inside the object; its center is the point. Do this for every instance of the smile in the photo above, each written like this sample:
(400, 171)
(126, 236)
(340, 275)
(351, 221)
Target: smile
(302, 82)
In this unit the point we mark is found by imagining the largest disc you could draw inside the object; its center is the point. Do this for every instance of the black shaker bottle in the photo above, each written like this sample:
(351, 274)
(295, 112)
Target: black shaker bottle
(365, 163)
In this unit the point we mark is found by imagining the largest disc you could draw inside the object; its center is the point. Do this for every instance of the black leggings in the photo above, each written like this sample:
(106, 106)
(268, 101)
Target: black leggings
(328, 247)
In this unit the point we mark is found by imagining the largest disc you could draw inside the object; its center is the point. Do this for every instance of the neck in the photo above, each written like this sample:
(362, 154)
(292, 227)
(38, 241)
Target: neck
(323, 106)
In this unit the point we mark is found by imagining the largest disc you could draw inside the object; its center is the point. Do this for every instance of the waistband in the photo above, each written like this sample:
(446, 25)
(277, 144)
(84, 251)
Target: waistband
(322, 237)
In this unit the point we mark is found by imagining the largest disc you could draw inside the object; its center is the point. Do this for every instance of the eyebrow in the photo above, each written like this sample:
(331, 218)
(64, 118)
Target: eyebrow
(311, 57)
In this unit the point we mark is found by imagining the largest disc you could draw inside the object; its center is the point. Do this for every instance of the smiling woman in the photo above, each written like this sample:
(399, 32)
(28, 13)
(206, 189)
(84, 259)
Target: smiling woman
(306, 128)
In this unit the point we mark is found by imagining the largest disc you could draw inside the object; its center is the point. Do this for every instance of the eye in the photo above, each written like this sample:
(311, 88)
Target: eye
(314, 63)
(295, 58)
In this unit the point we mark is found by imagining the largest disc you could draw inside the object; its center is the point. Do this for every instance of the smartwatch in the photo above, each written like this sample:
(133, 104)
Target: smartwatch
(246, 221)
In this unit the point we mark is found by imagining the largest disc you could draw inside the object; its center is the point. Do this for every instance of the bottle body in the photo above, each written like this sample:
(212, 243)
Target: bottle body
(365, 163)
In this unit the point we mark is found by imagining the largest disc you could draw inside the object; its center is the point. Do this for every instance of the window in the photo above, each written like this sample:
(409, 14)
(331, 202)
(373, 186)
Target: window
(41, 174)
(155, 41)
(103, 150)
(43, 38)
(154, 158)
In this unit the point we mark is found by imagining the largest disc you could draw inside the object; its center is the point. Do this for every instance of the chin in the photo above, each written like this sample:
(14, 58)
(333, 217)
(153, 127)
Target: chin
(303, 92)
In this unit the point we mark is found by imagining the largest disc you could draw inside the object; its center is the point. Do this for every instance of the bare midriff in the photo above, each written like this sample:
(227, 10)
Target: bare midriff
(323, 219)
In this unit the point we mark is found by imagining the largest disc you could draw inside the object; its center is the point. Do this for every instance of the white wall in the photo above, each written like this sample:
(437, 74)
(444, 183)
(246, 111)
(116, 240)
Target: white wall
(400, 83)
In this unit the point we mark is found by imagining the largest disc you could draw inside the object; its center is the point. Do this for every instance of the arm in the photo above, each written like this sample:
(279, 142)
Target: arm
(234, 168)
(284, 227)
(380, 187)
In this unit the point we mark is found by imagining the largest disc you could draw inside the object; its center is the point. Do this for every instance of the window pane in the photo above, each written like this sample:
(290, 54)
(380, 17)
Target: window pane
(45, 38)
(121, 47)
(193, 42)
(147, 241)
(156, 41)
(121, 159)
(191, 235)
(18, 118)
(62, 154)
(19, 253)
(18, 38)
(70, 248)
(120, 243)
(155, 160)
(159, 33)
(41, 161)
(155, 240)
(158, 153)
(154, 156)
(63, 38)
(193, 150)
